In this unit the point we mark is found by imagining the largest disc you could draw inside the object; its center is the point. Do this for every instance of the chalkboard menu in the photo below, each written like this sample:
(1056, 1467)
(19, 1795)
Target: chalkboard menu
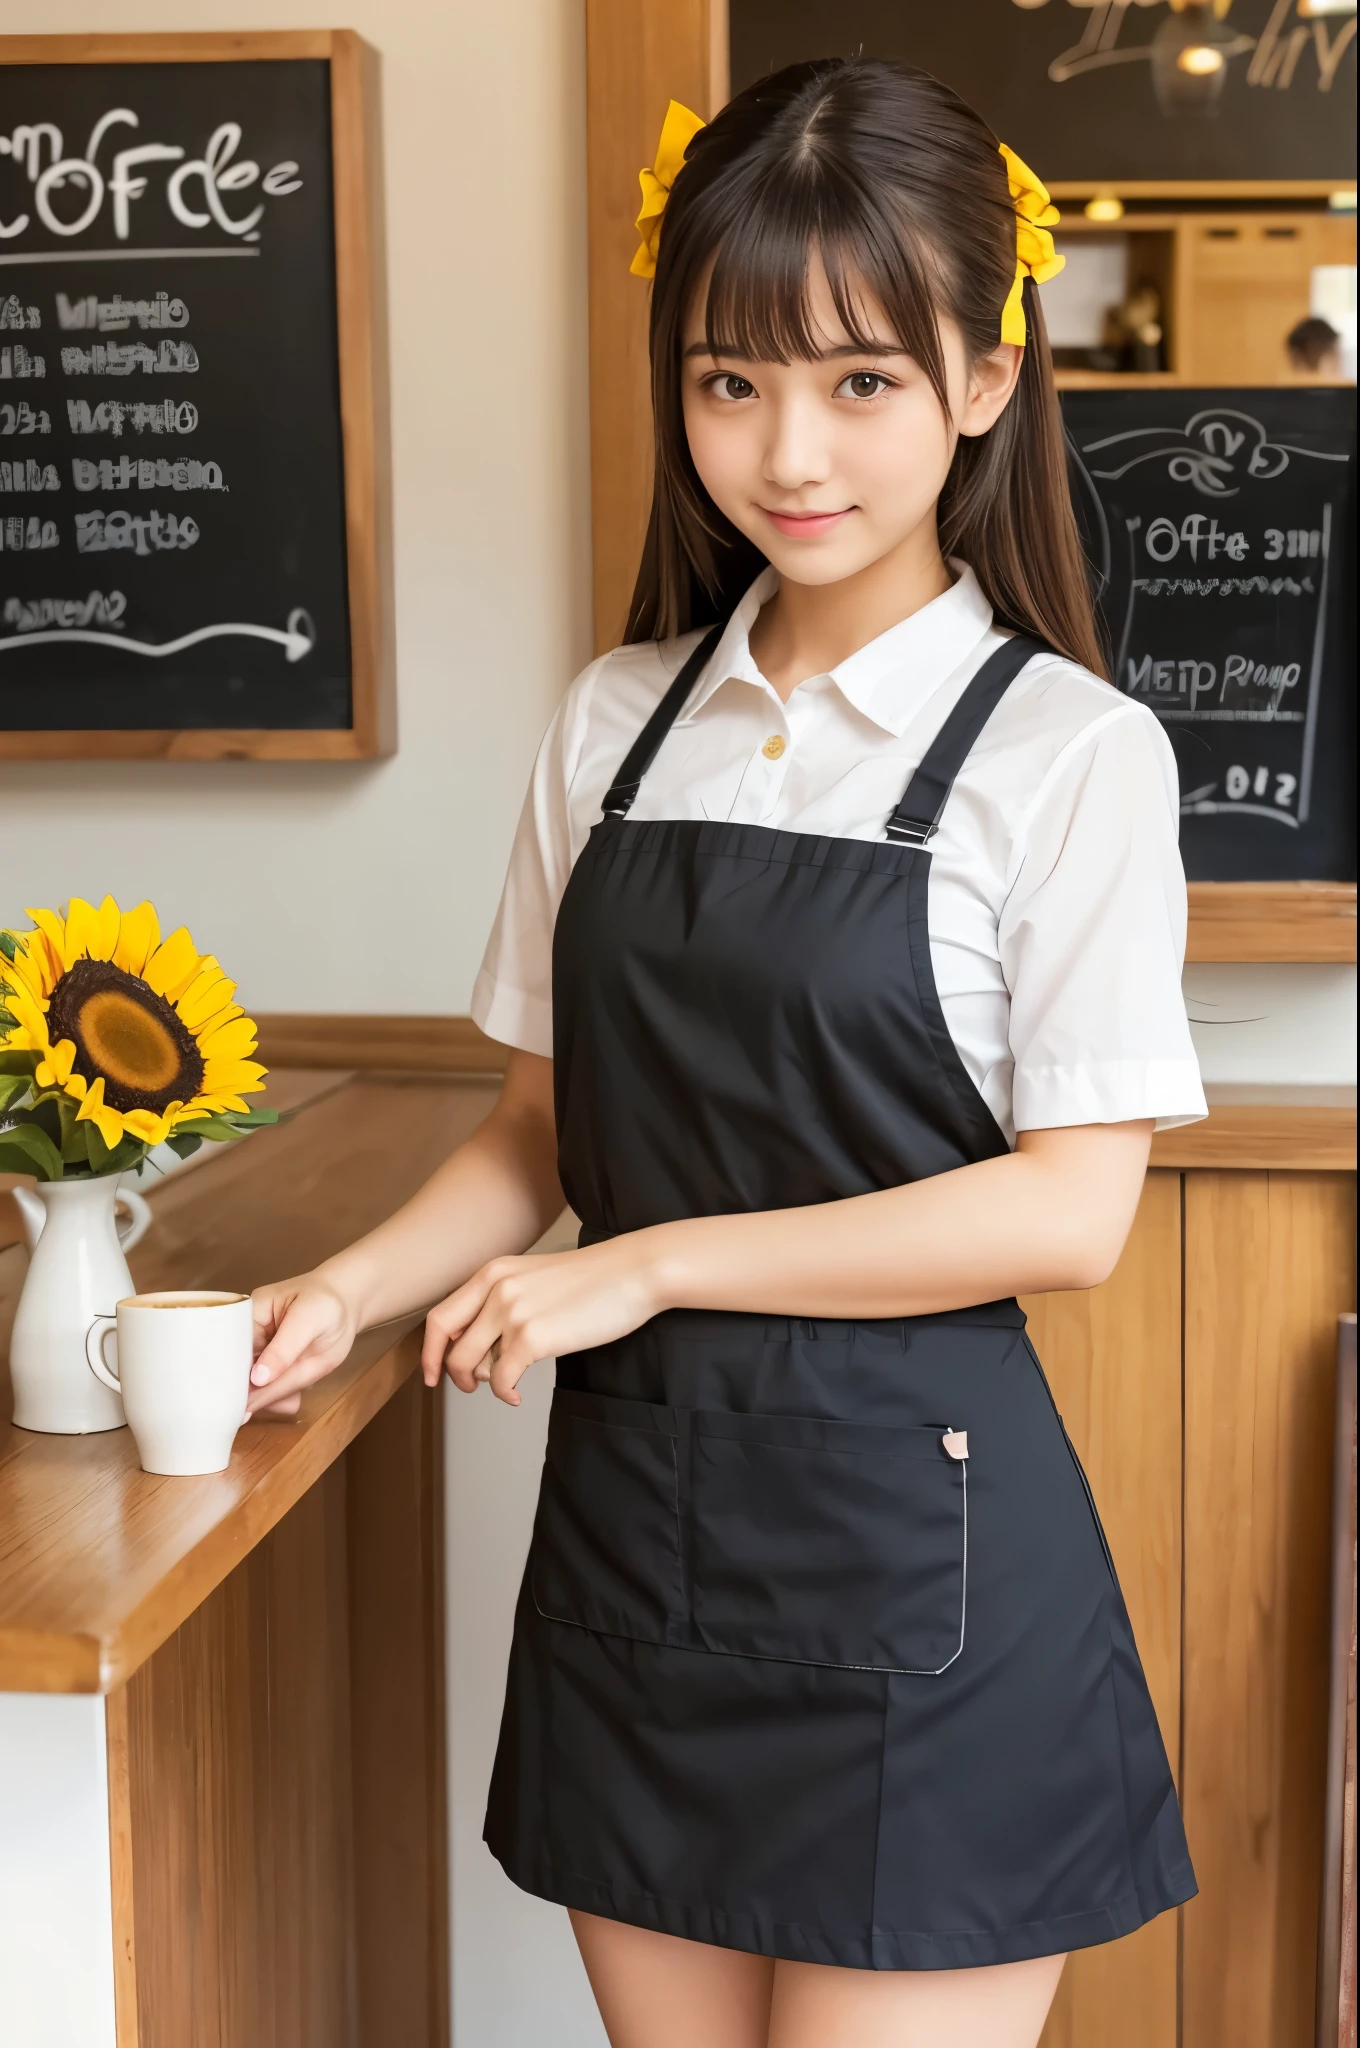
(1221, 530)
(188, 550)
(1070, 85)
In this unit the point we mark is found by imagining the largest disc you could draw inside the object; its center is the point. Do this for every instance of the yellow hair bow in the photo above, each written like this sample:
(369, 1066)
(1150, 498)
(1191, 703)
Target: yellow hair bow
(677, 132)
(1035, 255)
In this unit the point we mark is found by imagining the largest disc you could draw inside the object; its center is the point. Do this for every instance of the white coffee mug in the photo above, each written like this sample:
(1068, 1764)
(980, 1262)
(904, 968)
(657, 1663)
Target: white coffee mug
(184, 1374)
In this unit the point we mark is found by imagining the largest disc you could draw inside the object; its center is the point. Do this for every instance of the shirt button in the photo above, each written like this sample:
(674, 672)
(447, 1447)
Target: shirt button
(774, 747)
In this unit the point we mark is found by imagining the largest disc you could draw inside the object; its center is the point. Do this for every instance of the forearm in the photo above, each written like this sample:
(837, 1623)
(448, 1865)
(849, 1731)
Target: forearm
(1052, 1215)
(497, 1193)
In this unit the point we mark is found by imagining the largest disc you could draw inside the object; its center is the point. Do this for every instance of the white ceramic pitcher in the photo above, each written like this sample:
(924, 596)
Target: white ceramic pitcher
(76, 1271)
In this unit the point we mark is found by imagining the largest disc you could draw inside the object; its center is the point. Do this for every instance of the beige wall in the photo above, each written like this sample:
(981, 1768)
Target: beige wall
(372, 887)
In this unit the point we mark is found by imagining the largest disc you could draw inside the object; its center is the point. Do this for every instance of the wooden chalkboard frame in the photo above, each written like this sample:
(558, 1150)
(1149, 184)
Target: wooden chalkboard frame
(361, 330)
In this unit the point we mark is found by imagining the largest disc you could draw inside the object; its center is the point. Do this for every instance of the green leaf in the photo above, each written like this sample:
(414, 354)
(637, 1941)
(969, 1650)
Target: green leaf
(24, 1148)
(12, 1086)
(126, 1153)
(184, 1144)
(17, 1062)
(216, 1128)
(9, 945)
(75, 1137)
(252, 1119)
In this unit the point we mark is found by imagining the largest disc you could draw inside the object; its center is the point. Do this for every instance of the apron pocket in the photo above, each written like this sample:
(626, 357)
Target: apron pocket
(606, 1548)
(829, 1542)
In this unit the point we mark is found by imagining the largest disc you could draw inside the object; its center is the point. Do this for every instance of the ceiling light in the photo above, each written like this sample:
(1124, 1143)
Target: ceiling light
(1105, 206)
(1190, 53)
(1200, 59)
(1342, 202)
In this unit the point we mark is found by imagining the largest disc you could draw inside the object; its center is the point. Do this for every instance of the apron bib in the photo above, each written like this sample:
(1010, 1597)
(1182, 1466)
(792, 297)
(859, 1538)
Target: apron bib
(820, 1651)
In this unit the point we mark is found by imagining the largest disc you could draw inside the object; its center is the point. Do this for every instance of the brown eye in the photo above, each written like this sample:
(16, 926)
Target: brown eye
(733, 387)
(862, 384)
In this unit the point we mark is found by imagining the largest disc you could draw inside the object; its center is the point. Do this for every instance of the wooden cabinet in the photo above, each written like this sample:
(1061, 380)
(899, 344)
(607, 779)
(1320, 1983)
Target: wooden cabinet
(1232, 282)
(1197, 1385)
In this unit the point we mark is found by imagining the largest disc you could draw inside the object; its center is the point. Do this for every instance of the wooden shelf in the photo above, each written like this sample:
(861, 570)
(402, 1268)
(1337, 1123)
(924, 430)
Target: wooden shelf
(1272, 921)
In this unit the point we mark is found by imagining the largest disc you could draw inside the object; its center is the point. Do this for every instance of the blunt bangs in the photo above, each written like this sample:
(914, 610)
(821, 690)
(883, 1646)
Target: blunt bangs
(759, 282)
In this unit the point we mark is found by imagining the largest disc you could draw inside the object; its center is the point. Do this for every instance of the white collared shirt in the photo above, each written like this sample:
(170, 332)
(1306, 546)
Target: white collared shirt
(1057, 898)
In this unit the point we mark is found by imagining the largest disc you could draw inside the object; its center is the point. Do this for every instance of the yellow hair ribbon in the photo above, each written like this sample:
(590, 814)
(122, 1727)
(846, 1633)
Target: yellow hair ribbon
(1035, 255)
(677, 132)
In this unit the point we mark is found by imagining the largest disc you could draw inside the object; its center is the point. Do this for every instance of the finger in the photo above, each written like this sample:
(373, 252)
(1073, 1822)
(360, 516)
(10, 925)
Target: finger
(268, 1306)
(313, 1364)
(472, 1346)
(439, 1334)
(508, 1367)
(298, 1329)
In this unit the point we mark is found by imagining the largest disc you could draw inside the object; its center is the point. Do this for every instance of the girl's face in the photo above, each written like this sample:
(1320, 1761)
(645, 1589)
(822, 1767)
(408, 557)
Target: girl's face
(830, 466)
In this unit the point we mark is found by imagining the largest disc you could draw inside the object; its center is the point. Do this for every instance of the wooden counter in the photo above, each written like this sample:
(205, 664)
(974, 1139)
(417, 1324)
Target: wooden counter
(269, 1639)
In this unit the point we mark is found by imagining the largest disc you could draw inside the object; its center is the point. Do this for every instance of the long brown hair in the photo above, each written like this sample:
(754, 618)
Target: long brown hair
(901, 190)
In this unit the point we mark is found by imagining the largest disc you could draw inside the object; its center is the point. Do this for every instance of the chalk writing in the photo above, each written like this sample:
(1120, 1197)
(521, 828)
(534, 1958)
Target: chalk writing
(12, 314)
(22, 419)
(29, 476)
(142, 416)
(120, 359)
(112, 316)
(144, 533)
(1224, 586)
(211, 177)
(17, 362)
(38, 613)
(30, 535)
(142, 473)
(1205, 452)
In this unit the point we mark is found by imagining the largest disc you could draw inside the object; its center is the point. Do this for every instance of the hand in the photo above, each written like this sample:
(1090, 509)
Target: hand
(304, 1328)
(516, 1310)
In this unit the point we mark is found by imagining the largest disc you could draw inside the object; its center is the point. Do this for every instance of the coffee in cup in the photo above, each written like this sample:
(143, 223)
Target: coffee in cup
(183, 1370)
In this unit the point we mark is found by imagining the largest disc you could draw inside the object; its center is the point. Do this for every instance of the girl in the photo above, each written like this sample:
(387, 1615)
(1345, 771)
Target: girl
(839, 957)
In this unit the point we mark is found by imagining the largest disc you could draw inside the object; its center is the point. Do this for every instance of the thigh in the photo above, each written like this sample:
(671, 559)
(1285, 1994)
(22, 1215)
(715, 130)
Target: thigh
(655, 1991)
(1002, 2007)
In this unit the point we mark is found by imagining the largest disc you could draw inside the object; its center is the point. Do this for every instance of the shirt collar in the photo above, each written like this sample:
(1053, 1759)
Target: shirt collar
(890, 679)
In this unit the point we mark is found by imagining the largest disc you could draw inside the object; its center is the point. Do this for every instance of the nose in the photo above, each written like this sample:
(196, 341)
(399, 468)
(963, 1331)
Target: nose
(798, 450)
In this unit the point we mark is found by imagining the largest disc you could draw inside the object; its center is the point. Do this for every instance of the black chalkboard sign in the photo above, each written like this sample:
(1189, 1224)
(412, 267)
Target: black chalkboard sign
(1221, 530)
(185, 548)
(1070, 86)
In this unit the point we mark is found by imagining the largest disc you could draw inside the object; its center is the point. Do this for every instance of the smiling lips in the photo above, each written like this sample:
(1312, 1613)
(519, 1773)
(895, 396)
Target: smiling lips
(806, 525)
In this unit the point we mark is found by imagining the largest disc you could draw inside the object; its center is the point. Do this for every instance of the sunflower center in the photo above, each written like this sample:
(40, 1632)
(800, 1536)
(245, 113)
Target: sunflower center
(125, 1032)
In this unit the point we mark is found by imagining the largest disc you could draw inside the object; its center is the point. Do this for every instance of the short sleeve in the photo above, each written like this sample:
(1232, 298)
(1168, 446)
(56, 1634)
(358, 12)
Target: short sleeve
(512, 995)
(1092, 937)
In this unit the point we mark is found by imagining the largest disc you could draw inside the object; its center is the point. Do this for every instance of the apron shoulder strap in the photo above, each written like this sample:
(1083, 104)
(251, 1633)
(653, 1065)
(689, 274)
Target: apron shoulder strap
(626, 784)
(917, 816)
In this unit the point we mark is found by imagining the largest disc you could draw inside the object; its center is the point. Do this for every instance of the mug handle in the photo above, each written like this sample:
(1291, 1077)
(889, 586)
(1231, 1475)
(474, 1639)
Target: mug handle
(135, 1229)
(95, 1337)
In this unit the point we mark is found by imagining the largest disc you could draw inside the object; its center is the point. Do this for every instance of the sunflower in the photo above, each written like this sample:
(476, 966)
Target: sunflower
(140, 1032)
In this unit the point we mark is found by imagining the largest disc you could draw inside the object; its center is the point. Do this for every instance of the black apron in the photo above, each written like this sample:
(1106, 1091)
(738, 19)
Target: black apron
(820, 1652)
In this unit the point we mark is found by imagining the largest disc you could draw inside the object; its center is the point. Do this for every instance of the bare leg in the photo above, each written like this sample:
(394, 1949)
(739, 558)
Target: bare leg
(655, 1991)
(1003, 2007)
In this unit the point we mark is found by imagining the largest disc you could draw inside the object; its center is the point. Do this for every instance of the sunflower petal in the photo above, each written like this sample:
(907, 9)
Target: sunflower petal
(105, 939)
(219, 1017)
(242, 1077)
(55, 1070)
(234, 1040)
(95, 1110)
(53, 929)
(82, 929)
(207, 993)
(139, 934)
(172, 966)
(145, 1124)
